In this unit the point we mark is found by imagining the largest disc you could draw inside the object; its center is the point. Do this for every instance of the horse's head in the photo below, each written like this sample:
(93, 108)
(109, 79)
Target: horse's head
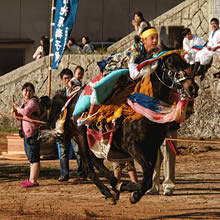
(175, 74)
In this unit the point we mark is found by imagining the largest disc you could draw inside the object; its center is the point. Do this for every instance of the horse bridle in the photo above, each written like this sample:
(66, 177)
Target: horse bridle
(174, 78)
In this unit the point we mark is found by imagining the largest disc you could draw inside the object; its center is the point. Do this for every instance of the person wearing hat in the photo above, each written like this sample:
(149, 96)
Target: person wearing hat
(147, 49)
(140, 52)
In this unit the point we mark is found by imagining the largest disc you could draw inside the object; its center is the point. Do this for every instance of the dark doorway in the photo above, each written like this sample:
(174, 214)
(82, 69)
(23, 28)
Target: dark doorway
(11, 58)
(175, 36)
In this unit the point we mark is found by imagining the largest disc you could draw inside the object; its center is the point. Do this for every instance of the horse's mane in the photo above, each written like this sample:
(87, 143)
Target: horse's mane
(58, 101)
(159, 90)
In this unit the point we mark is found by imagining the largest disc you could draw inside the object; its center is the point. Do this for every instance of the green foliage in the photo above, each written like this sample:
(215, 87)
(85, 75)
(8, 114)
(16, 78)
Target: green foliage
(9, 129)
(101, 50)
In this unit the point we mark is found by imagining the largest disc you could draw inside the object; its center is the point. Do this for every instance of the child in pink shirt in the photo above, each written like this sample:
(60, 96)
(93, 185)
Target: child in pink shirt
(30, 110)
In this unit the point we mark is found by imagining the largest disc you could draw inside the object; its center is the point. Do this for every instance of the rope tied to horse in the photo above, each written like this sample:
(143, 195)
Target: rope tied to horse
(175, 150)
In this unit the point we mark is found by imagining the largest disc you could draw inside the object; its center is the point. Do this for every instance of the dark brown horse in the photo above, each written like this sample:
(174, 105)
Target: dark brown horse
(139, 139)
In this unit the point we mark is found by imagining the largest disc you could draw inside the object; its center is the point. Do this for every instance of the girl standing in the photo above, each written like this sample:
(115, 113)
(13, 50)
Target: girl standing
(30, 109)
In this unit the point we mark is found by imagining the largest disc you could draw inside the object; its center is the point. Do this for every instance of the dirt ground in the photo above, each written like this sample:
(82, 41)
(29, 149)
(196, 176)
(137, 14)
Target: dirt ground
(197, 194)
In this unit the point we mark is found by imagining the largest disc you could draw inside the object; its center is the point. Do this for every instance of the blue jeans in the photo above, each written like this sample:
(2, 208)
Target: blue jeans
(65, 152)
(80, 171)
(32, 149)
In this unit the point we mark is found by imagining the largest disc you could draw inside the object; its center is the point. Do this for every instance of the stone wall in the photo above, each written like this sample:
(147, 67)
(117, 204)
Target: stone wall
(205, 122)
(37, 73)
(194, 14)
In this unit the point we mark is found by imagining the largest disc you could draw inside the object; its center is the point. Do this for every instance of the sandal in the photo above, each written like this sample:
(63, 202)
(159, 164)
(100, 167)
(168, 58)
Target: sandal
(27, 183)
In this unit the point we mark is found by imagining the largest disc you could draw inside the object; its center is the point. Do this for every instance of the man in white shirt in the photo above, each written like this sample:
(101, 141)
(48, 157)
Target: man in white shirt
(204, 56)
(192, 44)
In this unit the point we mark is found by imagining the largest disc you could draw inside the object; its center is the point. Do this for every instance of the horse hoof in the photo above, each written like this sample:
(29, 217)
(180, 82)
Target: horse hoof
(111, 201)
(134, 197)
(115, 193)
(131, 198)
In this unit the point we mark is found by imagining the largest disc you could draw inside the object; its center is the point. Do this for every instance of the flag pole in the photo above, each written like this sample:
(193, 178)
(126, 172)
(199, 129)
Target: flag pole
(50, 50)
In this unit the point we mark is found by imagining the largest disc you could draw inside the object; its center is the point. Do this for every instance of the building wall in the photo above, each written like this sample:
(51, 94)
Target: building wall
(101, 20)
(107, 20)
(24, 19)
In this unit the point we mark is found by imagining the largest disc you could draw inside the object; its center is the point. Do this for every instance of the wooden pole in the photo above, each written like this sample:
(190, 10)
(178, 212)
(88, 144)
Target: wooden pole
(50, 51)
(26, 119)
(196, 141)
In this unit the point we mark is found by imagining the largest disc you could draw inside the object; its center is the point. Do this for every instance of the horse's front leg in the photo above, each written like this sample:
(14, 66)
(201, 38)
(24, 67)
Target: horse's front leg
(147, 160)
(140, 189)
(87, 165)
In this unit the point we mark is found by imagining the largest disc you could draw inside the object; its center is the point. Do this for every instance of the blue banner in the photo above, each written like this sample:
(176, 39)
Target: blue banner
(64, 18)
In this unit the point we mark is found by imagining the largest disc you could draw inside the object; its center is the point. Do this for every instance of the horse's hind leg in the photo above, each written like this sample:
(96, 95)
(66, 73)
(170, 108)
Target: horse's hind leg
(87, 165)
(99, 165)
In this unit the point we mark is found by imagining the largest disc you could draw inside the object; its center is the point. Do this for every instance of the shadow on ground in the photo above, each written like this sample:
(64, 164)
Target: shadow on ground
(13, 172)
(192, 215)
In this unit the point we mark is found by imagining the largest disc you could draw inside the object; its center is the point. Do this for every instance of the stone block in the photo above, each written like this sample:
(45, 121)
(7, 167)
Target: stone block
(177, 20)
(194, 8)
(216, 62)
(169, 21)
(186, 22)
(72, 66)
(205, 27)
(64, 62)
(202, 2)
(196, 21)
(185, 13)
(83, 61)
(200, 31)
(75, 59)
(205, 11)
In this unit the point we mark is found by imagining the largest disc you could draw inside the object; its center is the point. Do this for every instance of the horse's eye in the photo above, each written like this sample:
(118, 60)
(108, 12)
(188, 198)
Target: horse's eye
(171, 65)
(170, 62)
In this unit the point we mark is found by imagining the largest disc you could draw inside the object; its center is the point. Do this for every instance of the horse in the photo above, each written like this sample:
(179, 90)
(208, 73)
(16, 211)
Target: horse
(139, 139)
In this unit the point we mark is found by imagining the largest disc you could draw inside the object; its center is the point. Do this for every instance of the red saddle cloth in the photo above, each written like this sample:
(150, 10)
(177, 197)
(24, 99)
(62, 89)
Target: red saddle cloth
(99, 143)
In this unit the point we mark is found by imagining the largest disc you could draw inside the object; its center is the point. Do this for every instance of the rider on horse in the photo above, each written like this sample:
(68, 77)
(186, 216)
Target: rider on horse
(129, 59)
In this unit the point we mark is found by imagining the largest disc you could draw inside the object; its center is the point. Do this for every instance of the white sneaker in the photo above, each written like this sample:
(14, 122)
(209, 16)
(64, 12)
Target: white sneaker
(168, 192)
